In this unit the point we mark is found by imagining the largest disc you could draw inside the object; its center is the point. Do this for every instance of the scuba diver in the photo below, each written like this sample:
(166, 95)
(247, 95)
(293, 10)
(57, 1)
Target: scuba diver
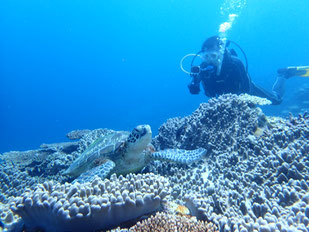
(223, 72)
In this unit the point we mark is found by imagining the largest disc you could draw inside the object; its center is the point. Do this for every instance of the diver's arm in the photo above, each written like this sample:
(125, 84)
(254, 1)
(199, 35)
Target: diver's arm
(261, 92)
(243, 76)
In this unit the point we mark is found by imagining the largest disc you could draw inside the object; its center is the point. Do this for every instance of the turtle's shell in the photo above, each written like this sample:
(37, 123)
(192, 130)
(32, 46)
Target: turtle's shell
(109, 147)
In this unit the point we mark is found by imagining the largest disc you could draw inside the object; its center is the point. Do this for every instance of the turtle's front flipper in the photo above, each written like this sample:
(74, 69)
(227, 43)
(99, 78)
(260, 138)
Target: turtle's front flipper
(180, 155)
(102, 171)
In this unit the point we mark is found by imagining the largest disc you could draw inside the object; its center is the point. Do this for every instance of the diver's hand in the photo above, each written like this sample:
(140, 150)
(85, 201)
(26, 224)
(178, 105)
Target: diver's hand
(194, 88)
(195, 70)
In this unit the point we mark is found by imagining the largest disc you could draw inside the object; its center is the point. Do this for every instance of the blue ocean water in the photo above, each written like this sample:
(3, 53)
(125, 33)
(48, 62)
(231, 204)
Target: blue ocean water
(68, 65)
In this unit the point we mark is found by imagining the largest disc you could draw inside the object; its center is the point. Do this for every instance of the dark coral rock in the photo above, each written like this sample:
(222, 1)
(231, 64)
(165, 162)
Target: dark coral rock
(219, 125)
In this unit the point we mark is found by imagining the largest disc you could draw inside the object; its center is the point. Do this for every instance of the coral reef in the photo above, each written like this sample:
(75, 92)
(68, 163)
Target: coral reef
(254, 100)
(13, 181)
(51, 160)
(47, 162)
(170, 222)
(9, 221)
(77, 134)
(222, 125)
(92, 206)
(248, 181)
(254, 177)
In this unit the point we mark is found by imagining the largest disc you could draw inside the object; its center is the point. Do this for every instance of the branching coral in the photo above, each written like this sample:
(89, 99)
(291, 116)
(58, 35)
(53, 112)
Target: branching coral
(170, 222)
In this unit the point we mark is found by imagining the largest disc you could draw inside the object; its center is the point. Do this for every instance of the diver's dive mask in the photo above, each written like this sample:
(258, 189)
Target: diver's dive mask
(212, 57)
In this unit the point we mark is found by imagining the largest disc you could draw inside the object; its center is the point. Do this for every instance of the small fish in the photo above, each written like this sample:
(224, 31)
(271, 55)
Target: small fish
(175, 208)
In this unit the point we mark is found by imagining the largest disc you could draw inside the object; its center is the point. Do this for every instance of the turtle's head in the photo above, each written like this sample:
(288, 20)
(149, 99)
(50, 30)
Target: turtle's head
(139, 138)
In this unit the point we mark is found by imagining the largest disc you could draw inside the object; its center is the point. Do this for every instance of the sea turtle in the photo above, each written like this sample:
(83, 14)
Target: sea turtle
(122, 152)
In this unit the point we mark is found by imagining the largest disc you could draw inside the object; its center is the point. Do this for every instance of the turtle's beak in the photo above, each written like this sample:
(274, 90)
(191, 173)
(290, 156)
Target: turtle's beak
(143, 132)
(146, 130)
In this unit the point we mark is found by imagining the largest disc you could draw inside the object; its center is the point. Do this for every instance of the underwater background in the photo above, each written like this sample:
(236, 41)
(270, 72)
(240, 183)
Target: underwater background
(68, 65)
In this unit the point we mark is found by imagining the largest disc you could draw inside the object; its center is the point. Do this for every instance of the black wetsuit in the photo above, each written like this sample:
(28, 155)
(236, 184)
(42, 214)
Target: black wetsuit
(233, 78)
